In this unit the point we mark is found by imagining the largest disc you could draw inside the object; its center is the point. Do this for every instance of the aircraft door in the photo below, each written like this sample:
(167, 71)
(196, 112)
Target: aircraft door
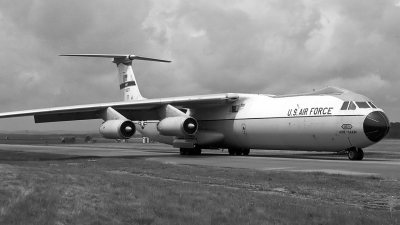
(241, 125)
(244, 129)
(241, 131)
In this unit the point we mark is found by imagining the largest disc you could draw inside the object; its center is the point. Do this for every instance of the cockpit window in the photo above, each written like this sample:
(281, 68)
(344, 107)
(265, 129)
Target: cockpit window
(362, 105)
(345, 105)
(372, 105)
(352, 106)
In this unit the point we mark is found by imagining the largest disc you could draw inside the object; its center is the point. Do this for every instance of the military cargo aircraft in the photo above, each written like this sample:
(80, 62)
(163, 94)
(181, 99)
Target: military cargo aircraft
(331, 119)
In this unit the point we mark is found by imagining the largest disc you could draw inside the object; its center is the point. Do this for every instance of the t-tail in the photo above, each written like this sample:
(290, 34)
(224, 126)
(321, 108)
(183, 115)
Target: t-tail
(127, 82)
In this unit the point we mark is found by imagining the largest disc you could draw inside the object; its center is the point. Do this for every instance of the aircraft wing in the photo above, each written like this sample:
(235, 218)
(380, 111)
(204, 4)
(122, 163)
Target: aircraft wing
(134, 110)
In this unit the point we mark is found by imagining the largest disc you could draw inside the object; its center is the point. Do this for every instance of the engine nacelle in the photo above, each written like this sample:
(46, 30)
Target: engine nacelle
(117, 129)
(177, 126)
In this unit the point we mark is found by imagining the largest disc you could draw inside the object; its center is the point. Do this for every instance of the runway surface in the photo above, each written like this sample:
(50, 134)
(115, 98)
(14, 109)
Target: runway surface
(260, 160)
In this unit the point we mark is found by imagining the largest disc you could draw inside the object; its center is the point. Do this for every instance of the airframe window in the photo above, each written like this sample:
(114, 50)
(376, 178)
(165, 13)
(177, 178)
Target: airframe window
(344, 106)
(352, 106)
(362, 105)
(372, 105)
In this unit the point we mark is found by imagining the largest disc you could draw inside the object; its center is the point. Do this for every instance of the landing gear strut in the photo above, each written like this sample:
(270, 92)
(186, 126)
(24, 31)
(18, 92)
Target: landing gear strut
(355, 154)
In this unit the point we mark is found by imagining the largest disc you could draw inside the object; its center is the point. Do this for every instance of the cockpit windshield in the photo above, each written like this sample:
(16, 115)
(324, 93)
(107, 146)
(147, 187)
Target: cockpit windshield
(348, 105)
(372, 105)
(345, 105)
(352, 106)
(363, 105)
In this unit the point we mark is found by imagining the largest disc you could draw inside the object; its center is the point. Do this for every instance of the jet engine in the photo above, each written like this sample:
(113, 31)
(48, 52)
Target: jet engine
(177, 126)
(117, 129)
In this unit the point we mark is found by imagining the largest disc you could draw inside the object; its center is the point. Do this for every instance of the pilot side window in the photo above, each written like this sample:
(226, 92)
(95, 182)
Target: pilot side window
(362, 105)
(372, 105)
(345, 105)
(352, 106)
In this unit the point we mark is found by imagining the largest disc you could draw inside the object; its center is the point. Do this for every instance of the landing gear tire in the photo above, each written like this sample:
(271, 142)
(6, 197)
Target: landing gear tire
(190, 151)
(197, 151)
(356, 154)
(238, 151)
(360, 154)
(182, 151)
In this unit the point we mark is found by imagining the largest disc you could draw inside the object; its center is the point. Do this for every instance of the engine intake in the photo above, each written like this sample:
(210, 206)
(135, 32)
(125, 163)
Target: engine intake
(177, 126)
(117, 129)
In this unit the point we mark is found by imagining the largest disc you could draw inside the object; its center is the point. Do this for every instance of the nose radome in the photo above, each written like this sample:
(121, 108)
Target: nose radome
(376, 126)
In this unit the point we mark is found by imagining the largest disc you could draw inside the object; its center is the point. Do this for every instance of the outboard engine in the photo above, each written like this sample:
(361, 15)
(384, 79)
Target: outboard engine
(177, 126)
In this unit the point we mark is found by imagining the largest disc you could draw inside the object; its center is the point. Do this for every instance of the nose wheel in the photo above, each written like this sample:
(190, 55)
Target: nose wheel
(355, 154)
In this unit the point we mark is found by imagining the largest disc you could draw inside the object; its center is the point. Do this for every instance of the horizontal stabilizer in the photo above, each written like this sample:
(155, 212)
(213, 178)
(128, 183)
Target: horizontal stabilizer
(118, 56)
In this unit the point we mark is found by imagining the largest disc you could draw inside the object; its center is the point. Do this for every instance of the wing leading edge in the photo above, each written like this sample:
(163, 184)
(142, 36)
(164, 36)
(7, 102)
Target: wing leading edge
(134, 110)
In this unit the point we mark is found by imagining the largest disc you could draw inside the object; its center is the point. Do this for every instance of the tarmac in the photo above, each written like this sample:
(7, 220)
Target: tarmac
(258, 159)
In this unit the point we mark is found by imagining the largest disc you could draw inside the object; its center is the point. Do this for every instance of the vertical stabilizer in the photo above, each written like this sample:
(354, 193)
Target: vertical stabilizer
(127, 82)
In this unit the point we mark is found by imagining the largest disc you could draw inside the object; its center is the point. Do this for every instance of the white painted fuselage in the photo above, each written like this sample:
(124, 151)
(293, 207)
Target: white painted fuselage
(310, 122)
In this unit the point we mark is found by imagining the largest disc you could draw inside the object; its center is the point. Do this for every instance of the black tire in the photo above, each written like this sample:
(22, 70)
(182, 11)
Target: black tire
(238, 151)
(197, 151)
(182, 151)
(360, 154)
(246, 151)
(353, 154)
(231, 151)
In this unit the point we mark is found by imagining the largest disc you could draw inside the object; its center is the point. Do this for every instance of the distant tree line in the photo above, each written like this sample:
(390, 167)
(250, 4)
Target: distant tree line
(394, 132)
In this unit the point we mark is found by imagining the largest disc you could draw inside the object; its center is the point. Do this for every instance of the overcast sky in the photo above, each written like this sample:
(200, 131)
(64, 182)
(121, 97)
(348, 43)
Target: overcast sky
(256, 46)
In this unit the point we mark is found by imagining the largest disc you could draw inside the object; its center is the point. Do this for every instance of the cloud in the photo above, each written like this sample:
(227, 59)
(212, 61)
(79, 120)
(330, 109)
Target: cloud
(254, 46)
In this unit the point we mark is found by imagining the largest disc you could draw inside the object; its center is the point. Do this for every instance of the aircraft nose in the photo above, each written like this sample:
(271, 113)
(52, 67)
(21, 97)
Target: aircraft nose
(376, 126)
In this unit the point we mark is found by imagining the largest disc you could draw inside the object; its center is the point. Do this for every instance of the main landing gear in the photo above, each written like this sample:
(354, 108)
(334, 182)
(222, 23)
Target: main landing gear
(238, 151)
(355, 154)
(190, 151)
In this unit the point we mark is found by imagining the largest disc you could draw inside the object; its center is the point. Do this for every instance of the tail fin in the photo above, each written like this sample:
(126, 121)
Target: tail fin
(128, 85)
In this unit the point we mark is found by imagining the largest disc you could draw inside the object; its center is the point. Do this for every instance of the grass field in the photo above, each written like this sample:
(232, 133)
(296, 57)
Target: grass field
(38, 188)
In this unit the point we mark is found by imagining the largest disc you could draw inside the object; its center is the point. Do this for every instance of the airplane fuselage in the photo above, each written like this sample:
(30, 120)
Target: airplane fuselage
(311, 122)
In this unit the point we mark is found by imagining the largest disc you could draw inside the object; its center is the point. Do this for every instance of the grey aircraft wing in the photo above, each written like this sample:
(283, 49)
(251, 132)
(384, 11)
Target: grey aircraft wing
(134, 110)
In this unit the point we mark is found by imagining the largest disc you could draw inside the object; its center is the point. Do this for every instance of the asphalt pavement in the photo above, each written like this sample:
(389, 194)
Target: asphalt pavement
(258, 159)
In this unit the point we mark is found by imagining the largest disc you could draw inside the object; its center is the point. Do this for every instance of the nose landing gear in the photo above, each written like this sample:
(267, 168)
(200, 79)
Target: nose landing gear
(355, 153)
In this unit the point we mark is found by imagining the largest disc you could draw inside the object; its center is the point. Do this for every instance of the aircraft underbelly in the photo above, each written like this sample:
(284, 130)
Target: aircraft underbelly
(291, 133)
